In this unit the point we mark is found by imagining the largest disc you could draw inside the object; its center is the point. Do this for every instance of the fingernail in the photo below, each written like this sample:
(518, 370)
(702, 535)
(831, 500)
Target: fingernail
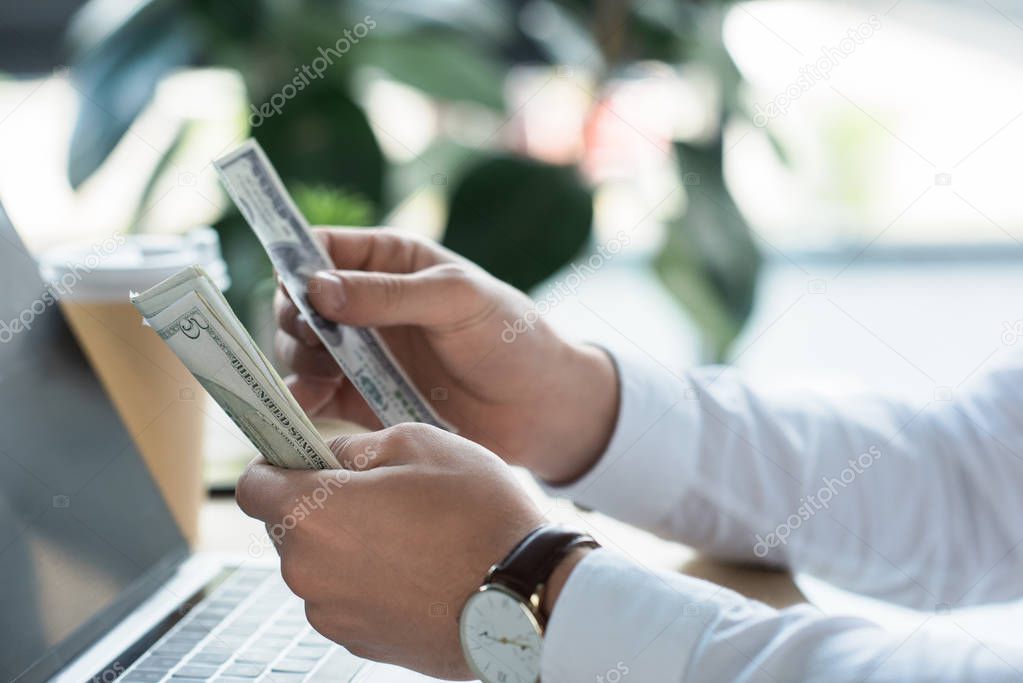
(328, 290)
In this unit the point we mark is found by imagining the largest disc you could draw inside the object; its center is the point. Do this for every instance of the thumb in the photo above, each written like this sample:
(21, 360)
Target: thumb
(359, 451)
(434, 297)
(400, 444)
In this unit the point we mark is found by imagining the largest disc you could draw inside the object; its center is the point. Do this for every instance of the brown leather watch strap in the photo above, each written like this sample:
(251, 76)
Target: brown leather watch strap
(531, 562)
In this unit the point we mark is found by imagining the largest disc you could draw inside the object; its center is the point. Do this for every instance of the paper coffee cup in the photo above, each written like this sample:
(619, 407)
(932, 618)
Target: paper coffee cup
(160, 403)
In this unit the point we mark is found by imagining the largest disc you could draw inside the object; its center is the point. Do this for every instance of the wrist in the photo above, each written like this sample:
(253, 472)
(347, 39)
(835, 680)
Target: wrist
(587, 406)
(558, 578)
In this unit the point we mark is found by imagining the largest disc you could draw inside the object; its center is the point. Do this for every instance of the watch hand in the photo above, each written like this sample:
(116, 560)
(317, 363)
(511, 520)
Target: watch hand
(516, 642)
(503, 640)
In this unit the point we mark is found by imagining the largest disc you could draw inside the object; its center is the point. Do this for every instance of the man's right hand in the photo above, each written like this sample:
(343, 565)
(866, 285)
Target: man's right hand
(521, 391)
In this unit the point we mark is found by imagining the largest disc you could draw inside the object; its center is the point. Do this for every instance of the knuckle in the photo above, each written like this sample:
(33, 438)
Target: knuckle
(398, 238)
(386, 244)
(392, 290)
(458, 274)
(402, 436)
(411, 250)
(461, 282)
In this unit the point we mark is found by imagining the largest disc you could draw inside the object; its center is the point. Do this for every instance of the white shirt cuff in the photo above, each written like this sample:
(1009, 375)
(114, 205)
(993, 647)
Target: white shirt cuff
(616, 620)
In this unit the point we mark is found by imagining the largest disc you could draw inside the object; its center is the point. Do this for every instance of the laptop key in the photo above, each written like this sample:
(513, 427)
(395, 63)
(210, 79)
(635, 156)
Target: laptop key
(170, 649)
(189, 639)
(215, 611)
(220, 601)
(157, 663)
(283, 630)
(209, 658)
(230, 642)
(209, 622)
(247, 622)
(256, 656)
(297, 666)
(242, 630)
(197, 671)
(307, 651)
(196, 629)
(268, 643)
(249, 670)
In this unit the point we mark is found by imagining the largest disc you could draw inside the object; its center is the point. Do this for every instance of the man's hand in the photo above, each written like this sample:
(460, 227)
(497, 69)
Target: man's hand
(518, 389)
(386, 551)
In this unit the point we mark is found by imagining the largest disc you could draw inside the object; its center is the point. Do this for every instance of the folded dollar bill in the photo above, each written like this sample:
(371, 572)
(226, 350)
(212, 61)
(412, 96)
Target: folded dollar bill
(190, 313)
(296, 254)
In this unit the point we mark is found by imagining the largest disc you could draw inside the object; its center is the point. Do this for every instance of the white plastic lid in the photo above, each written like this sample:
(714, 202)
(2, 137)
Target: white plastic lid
(108, 270)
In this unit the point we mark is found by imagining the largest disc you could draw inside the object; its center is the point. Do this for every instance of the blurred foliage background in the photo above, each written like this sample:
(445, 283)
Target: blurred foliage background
(520, 208)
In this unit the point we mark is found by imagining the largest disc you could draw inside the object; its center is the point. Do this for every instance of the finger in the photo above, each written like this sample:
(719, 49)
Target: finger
(381, 249)
(268, 493)
(398, 445)
(357, 451)
(290, 320)
(303, 360)
(312, 394)
(436, 297)
(349, 405)
(280, 286)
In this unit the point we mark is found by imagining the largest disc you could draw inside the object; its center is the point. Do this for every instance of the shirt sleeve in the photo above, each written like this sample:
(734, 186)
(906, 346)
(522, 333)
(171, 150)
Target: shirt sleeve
(617, 621)
(915, 506)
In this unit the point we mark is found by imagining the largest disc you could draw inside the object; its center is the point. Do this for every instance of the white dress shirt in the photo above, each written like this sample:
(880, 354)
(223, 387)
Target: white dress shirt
(919, 507)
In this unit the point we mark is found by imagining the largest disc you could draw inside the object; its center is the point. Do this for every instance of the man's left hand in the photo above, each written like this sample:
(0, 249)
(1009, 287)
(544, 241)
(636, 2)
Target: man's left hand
(386, 551)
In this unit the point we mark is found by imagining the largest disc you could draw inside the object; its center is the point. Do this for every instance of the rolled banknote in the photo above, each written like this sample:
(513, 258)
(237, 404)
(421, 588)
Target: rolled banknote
(364, 358)
(190, 313)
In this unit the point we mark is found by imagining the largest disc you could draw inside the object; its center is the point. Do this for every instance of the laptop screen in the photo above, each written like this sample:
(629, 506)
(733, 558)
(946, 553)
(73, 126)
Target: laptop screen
(84, 532)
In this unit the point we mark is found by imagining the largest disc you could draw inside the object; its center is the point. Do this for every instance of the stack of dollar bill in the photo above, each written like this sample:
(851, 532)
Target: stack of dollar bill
(190, 313)
(192, 316)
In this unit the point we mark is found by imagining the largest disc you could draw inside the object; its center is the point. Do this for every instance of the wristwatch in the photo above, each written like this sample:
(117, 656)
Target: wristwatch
(501, 626)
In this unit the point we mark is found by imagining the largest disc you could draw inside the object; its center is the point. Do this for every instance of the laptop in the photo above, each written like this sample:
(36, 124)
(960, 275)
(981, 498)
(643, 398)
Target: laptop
(97, 581)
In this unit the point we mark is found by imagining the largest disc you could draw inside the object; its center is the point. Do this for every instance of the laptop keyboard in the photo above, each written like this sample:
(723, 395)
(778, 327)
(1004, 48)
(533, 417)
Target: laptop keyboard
(250, 629)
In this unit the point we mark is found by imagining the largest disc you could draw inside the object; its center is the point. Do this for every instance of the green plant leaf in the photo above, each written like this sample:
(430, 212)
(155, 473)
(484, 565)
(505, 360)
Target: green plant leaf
(520, 219)
(324, 205)
(442, 64)
(117, 77)
(321, 136)
(710, 262)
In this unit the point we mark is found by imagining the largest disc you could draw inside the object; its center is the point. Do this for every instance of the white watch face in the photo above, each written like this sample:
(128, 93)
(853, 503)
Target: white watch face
(501, 637)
